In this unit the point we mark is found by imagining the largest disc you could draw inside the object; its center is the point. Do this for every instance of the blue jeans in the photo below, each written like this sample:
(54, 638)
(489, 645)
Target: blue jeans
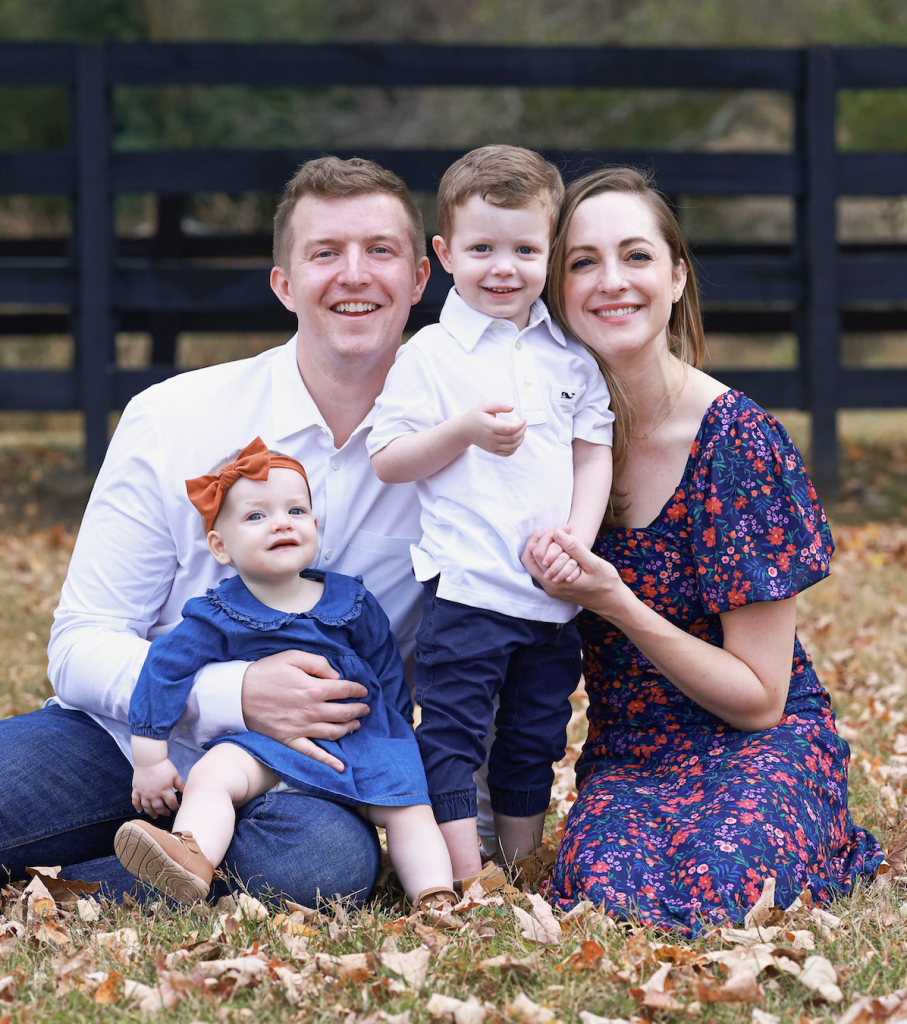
(65, 789)
(465, 657)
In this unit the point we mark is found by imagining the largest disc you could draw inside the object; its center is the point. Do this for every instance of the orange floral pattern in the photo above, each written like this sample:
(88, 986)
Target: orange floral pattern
(680, 817)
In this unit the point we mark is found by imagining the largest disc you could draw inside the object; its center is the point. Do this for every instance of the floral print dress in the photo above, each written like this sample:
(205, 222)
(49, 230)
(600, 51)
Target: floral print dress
(679, 816)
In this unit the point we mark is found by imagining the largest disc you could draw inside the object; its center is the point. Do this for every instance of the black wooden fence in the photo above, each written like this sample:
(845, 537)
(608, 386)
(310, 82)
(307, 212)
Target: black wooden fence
(101, 284)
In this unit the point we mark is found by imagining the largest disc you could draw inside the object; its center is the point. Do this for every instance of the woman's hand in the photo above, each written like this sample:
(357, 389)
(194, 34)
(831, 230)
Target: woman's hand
(598, 586)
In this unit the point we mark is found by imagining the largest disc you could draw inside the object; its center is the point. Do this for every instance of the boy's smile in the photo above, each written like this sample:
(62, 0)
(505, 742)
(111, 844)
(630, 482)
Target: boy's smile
(498, 257)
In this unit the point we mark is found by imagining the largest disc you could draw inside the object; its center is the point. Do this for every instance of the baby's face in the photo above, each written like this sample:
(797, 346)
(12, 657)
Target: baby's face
(266, 528)
(498, 257)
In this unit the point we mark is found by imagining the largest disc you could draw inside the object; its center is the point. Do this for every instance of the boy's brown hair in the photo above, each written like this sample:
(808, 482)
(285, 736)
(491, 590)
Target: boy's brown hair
(329, 177)
(507, 176)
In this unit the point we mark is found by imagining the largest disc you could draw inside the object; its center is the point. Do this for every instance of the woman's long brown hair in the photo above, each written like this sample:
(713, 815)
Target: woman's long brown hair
(685, 334)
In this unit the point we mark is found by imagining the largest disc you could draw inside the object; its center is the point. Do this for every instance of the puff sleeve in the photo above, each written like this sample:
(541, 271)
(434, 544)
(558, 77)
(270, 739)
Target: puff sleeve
(758, 530)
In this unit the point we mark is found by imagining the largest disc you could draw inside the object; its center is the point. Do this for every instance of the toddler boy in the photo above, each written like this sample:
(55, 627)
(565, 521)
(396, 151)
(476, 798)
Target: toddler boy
(505, 425)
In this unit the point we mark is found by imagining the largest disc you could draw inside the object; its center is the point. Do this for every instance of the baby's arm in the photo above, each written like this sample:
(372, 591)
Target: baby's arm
(154, 777)
(592, 471)
(418, 455)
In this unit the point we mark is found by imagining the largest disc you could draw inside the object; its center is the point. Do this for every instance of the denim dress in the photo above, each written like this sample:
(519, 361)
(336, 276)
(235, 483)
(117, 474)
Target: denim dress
(347, 626)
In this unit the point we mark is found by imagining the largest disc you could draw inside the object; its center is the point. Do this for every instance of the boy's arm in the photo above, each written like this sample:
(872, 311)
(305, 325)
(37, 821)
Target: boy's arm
(592, 471)
(591, 489)
(415, 456)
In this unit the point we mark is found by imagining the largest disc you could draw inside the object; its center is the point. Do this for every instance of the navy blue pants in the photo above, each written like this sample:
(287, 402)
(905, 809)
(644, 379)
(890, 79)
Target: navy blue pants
(465, 657)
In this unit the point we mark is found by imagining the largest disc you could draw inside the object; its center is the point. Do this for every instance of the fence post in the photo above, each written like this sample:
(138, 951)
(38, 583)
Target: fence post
(820, 322)
(93, 248)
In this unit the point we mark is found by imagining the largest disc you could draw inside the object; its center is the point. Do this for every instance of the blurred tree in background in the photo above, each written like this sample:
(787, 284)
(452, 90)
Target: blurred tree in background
(343, 118)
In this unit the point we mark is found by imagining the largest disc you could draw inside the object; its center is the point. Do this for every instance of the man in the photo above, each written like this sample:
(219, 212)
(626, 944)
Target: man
(350, 262)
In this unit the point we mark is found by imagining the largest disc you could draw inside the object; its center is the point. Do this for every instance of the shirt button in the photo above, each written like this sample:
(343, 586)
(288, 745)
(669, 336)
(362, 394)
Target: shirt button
(335, 463)
(497, 323)
(527, 382)
(519, 344)
(328, 554)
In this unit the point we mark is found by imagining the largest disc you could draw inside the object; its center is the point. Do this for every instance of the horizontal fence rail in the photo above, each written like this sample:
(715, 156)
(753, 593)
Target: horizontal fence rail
(94, 284)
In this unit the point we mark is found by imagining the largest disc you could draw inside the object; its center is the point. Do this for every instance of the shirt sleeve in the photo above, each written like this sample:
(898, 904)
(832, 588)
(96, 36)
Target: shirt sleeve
(168, 674)
(373, 641)
(758, 530)
(120, 575)
(593, 418)
(409, 402)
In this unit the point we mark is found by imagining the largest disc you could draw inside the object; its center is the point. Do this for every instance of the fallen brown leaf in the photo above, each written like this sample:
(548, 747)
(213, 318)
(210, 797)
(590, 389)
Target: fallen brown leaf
(528, 1012)
(655, 993)
(61, 889)
(869, 1009)
(110, 990)
(820, 976)
(412, 967)
(524, 966)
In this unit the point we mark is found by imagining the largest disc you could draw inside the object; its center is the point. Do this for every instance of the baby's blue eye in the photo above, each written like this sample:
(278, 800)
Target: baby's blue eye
(255, 516)
(297, 511)
(525, 250)
(482, 248)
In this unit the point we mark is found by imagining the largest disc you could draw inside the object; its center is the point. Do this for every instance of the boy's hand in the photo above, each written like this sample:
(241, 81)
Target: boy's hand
(482, 428)
(556, 564)
(152, 788)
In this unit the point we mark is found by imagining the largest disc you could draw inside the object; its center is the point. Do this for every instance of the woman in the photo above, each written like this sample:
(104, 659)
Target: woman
(712, 759)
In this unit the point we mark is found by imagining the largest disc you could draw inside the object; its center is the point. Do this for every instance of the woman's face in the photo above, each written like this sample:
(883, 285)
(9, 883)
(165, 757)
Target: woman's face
(619, 280)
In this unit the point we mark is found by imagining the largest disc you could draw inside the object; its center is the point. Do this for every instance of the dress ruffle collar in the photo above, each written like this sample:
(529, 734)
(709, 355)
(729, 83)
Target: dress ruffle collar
(340, 602)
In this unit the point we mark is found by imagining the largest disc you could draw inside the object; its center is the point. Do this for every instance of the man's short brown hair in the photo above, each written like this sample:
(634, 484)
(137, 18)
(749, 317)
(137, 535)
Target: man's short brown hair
(507, 176)
(329, 177)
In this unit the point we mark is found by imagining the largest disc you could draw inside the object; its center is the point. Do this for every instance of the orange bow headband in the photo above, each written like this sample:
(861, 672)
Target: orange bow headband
(207, 492)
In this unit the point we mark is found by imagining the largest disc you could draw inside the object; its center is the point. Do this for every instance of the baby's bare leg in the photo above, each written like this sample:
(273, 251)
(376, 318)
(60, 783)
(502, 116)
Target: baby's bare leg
(416, 846)
(225, 778)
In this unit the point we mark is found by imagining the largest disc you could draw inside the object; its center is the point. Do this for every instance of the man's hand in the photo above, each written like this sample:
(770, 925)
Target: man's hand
(152, 788)
(295, 694)
(482, 428)
(303, 746)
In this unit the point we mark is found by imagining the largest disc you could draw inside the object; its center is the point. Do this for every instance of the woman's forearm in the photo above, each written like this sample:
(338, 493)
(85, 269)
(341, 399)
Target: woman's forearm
(745, 682)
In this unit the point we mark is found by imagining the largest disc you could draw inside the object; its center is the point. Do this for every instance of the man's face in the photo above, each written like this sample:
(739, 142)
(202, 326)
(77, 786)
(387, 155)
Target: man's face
(352, 277)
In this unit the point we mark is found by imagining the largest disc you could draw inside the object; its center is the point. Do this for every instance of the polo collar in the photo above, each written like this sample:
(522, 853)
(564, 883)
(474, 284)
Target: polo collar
(467, 325)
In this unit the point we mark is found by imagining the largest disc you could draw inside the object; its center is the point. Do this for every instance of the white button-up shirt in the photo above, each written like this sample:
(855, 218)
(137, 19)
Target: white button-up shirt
(141, 552)
(479, 511)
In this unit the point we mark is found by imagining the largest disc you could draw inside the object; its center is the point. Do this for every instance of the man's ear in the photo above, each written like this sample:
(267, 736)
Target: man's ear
(280, 285)
(423, 272)
(442, 252)
(216, 546)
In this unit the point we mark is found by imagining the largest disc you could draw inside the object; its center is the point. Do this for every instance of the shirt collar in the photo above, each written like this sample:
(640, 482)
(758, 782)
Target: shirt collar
(468, 325)
(293, 408)
(340, 602)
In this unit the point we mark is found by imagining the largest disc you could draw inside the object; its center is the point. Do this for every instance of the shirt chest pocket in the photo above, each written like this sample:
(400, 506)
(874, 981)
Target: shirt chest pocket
(564, 401)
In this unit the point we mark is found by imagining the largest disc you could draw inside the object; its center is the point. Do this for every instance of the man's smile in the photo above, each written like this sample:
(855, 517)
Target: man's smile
(355, 307)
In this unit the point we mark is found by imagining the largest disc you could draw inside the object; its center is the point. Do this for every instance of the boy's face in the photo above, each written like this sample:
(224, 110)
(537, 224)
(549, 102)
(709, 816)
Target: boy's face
(498, 257)
(266, 528)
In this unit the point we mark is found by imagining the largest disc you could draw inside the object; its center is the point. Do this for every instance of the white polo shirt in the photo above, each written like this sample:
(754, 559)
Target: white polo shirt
(479, 511)
(141, 552)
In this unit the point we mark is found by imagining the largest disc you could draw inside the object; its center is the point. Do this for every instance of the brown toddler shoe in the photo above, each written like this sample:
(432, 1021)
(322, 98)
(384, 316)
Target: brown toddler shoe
(439, 897)
(171, 862)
